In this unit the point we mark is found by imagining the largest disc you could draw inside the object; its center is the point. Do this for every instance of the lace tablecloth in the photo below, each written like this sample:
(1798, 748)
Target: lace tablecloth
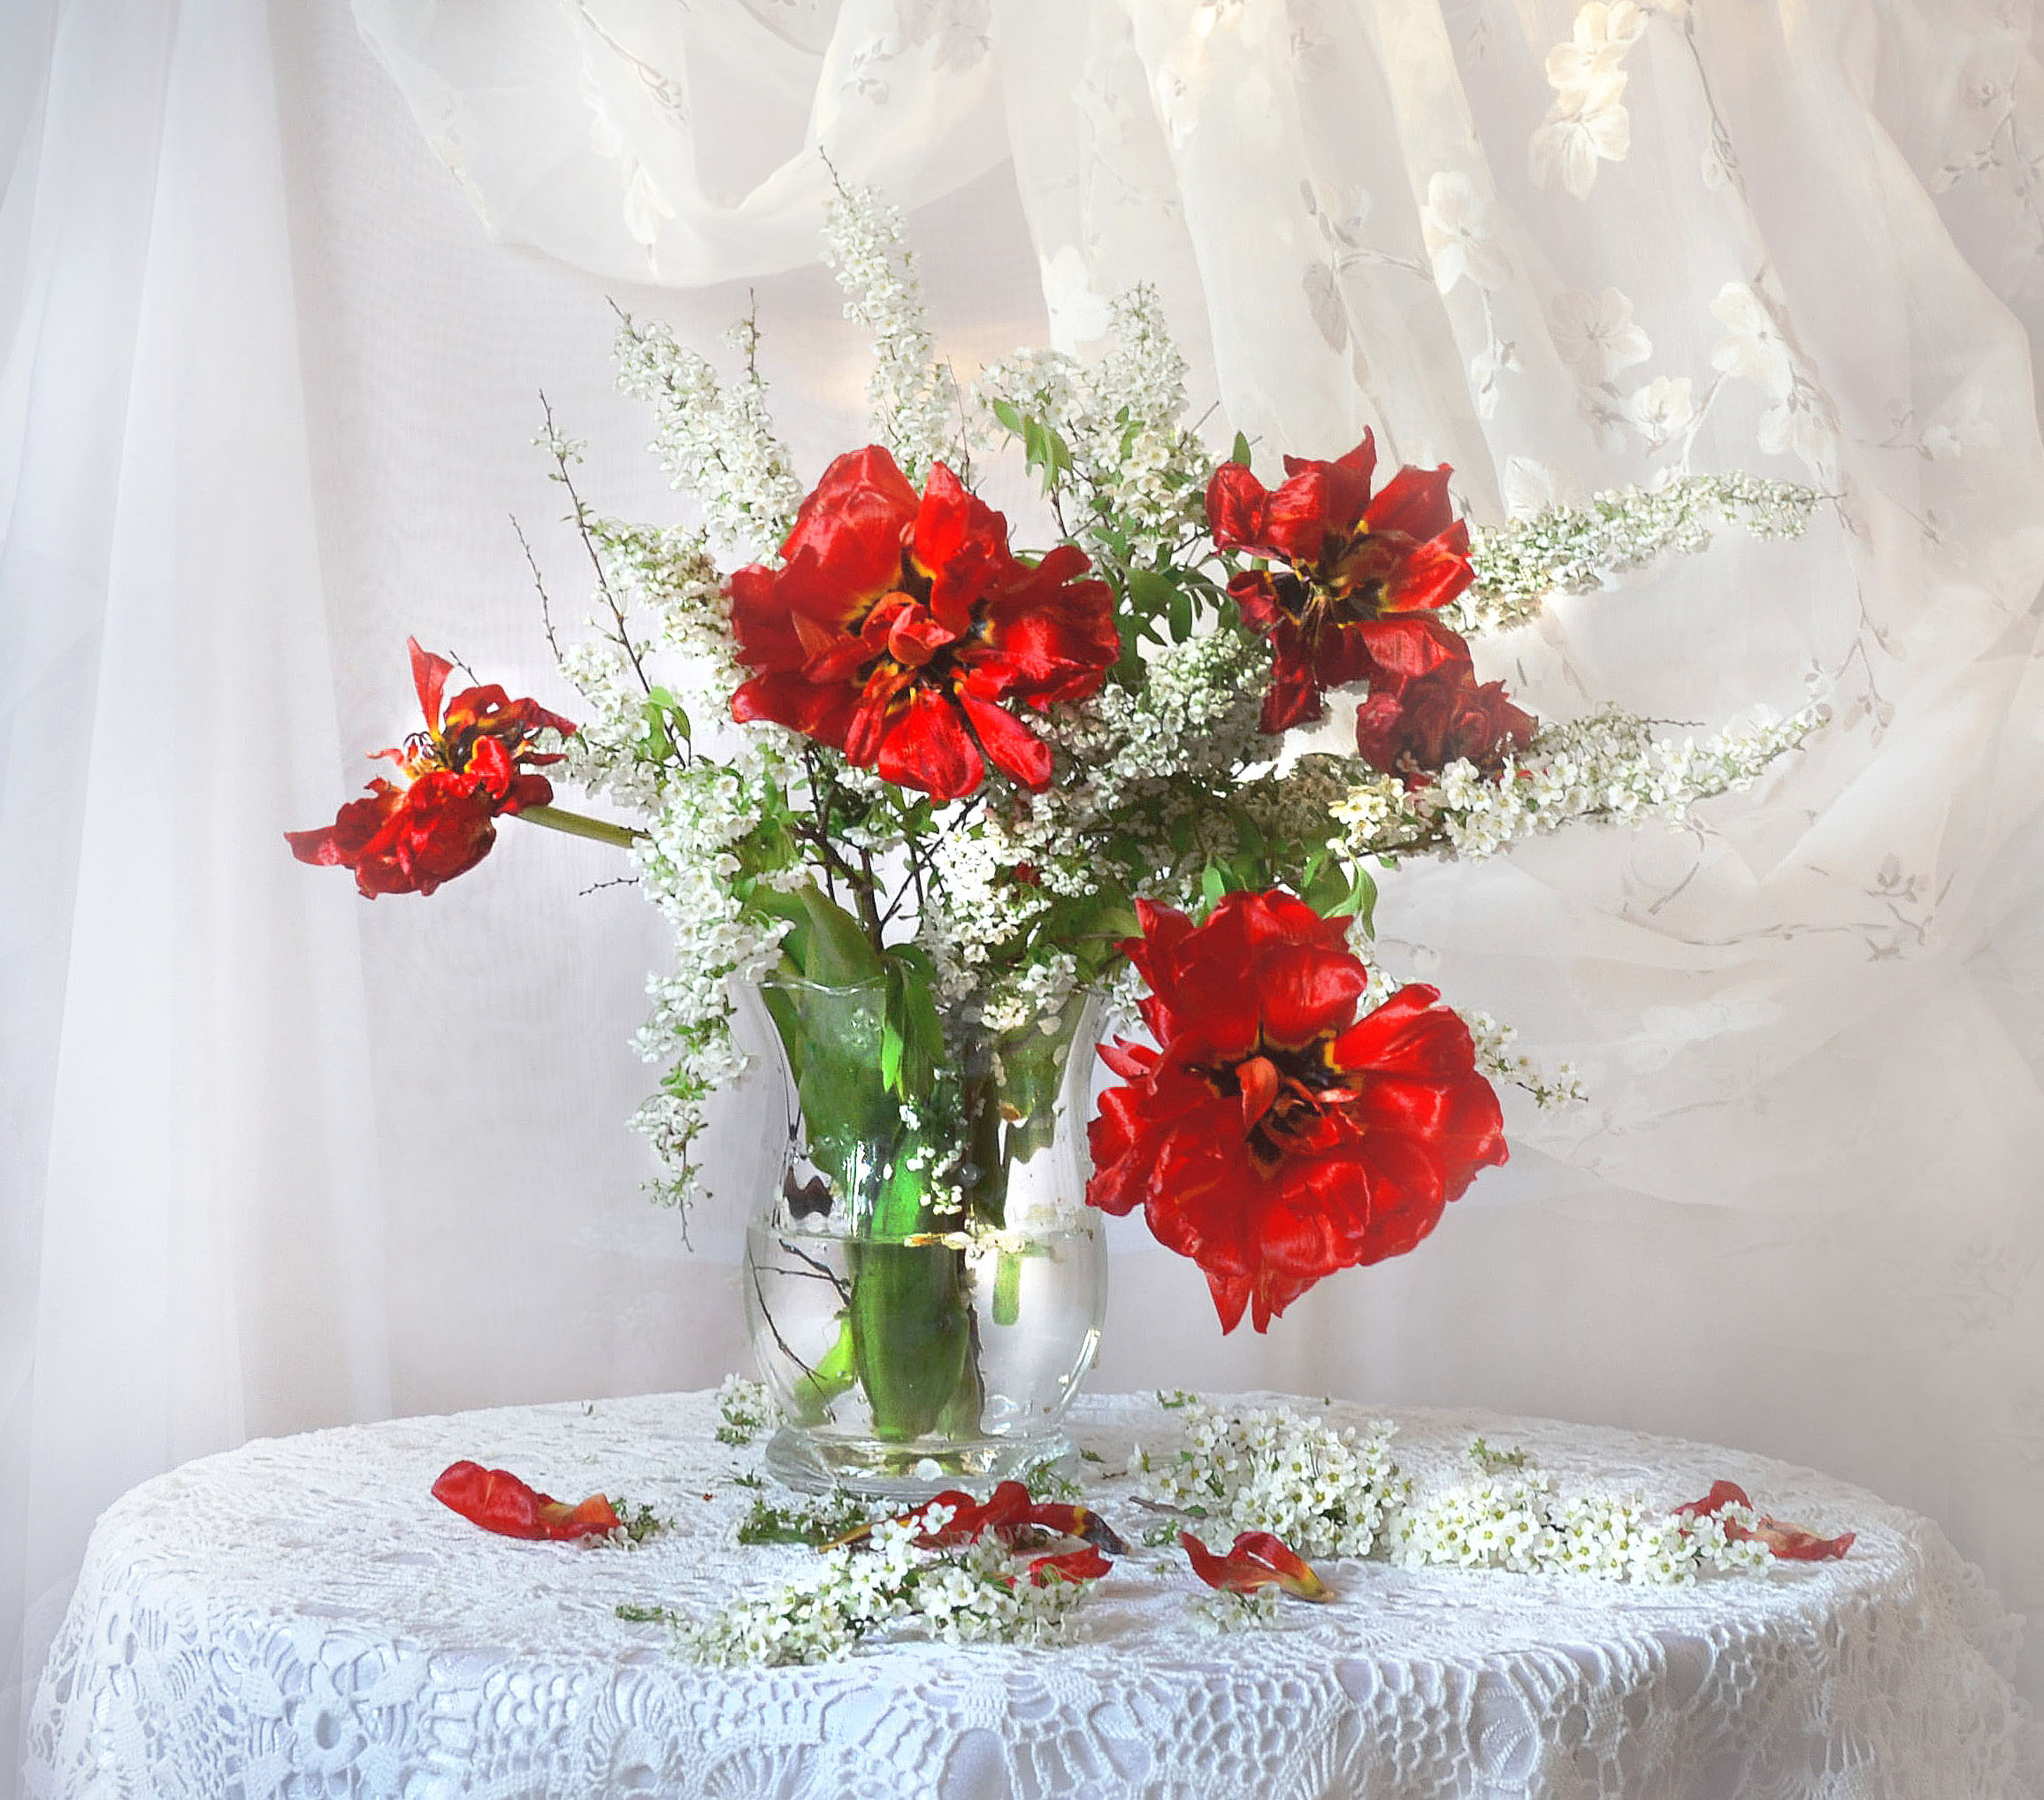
(300, 1617)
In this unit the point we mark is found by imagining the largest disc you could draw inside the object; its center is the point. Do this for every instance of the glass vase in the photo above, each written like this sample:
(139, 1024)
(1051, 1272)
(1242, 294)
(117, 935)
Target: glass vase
(924, 1288)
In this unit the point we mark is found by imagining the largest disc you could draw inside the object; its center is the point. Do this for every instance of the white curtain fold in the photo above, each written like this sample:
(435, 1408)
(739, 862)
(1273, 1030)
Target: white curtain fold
(189, 1195)
(271, 1157)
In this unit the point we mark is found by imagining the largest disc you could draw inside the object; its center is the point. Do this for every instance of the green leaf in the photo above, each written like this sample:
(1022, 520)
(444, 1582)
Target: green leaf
(1007, 413)
(1362, 900)
(1240, 453)
(1151, 592)
(839, 952)
(1181, 604)
(1325, 888)
(890, 1043)
(911, 1036)
(1212, 885)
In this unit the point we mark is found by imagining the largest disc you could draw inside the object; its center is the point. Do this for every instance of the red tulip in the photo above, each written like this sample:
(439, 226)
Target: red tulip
(498, 1501)
(1362, 577)
(1415, 728)
(469, 765)
(1789, 1543)
(1275, 1136)
(1258, 1559)
(900, 630)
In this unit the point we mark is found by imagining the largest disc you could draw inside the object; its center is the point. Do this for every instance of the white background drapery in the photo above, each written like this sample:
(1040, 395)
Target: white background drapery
(271, 1157)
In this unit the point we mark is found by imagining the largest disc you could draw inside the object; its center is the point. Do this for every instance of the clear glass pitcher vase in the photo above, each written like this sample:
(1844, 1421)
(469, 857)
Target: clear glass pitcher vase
(924, 1289)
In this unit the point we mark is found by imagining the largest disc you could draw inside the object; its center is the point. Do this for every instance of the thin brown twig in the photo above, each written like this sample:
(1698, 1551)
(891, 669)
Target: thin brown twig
(580, 520)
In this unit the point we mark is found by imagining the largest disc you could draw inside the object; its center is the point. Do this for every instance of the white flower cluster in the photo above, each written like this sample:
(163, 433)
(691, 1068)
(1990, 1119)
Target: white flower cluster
(743, 1408)
(686, 867)
(1142, 473)
(1261, 1609)
(716, 441)
(1523, 1523)
(977, 1594)
(1339, 1493)
(1325, 1492)
(627, 747)
(916, 401)
(1036, 994)
(1564, 549)
(1609, 767)
(1499, 1061)
(1194, 713)
(1124, 757)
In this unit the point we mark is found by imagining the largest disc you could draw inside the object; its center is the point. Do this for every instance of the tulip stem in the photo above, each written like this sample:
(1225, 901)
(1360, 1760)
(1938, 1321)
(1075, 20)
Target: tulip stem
(580, 825)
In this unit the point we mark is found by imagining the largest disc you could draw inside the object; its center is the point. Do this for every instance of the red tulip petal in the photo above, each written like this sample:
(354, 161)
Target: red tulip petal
(1130, 1062)
(927, 748)
(916, 637)
(1298, 516)
(1722, 1494)
(1362, 460)
(528, 791)
(1414, 501)
(1085, 1565)
(498, 1501)
(848, 535)
(429, 678)
(1230, 1297)
(962, 543)
(1307, 991)
(1293, 699)
(1410, 644)
(1010, 746)
(1255, 593)
(1258, 1559)
(1789, 1542)
(1259, 1080)
(1429, 575)
(1796, 1543)
(1237, 503)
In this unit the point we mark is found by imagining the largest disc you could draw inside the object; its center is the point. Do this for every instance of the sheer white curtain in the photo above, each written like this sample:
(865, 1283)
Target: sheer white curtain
(271, 1157)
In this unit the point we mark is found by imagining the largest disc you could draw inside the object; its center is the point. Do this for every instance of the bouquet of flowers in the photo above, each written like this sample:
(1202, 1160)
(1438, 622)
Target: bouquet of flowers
(927, 794)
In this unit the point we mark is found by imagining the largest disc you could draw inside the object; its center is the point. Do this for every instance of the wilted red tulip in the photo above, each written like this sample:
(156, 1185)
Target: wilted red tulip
(1275, 1136)
(1415, 728)
(498, 1501)
(1258, 1559)
(900, 630)
(1362, 577)
(1789, 1543)
(469, 765)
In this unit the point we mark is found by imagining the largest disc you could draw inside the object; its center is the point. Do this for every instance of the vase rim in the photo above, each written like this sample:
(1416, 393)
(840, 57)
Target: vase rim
(776, 978)
(873, 983)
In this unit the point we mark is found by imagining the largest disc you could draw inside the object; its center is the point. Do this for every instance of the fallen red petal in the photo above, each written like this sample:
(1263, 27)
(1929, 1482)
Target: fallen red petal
(1258, 1559)
(1085, 1565)
(498, 1501)
(1788, 1542)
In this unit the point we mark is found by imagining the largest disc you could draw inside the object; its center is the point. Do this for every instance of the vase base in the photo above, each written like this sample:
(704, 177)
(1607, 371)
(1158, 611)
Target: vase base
(905, 1471)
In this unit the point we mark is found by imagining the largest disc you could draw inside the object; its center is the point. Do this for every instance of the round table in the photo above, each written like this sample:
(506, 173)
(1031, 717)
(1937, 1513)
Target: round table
(299, 1617)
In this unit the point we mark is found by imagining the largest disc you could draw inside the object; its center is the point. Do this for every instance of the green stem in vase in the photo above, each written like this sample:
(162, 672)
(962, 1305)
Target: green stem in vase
(911, 1311)
(912, 1336)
